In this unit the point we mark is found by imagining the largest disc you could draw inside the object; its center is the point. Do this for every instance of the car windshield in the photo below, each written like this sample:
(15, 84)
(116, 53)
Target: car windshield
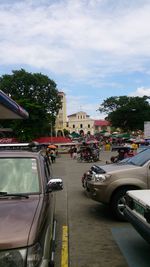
(19, 175)
(139, 159)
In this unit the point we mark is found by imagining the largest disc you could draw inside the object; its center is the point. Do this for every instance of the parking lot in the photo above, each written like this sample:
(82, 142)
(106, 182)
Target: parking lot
(87, 235)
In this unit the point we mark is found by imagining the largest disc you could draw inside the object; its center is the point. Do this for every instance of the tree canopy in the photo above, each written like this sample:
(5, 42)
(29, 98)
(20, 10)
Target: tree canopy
(127, 113)
(36, 93)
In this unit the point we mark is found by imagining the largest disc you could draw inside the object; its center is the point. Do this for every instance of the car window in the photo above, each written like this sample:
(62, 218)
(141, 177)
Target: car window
(140, 159)
(19, 175)
(47, 169)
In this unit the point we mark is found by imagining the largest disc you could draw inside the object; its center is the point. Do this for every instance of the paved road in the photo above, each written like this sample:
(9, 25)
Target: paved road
(92, 233)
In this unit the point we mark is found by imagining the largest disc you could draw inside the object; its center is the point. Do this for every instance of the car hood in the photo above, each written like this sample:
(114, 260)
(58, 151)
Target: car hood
(16, 217)
(110, 168)
(141, 196)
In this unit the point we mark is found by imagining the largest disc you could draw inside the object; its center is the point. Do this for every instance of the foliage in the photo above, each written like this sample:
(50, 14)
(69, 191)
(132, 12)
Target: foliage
(66, 132)
(127, 113)
(37, 94)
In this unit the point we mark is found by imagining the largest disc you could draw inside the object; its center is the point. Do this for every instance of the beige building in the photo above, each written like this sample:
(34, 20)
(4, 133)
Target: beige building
(102, 125)
(61, 119)
(77, 122)
(80, 122)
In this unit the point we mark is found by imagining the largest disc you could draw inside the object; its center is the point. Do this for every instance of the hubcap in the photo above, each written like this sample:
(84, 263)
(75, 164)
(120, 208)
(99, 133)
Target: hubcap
(121, 205)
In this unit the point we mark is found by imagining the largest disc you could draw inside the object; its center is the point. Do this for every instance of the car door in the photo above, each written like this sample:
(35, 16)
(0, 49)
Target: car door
(47, 210)
(148, 175)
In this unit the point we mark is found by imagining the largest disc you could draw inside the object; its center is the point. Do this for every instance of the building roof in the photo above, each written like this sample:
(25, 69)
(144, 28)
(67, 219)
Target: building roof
(61, 93)
(101, 123)
(9, 109)
(74, 114)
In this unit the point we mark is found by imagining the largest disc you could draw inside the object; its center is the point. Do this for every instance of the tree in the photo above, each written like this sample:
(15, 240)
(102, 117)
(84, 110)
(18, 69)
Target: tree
(66, 132)
(127, 113)
(38, 95)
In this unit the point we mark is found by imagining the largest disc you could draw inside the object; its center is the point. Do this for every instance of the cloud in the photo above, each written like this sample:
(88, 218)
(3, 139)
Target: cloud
(141, 92)
(81, 39)
(81, 103)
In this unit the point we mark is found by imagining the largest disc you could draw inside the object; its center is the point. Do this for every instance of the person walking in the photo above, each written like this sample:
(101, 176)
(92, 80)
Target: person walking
(74, 153)
(53, 155)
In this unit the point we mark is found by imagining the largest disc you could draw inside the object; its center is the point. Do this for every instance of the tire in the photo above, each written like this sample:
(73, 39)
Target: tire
(117, 203)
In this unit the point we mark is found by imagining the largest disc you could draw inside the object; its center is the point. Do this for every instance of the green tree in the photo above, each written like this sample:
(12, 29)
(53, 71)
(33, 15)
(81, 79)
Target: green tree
(127, 113)
(66, 132)
(37, 94)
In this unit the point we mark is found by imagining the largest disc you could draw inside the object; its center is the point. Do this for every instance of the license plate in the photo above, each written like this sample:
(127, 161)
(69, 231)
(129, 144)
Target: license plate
(138, 208)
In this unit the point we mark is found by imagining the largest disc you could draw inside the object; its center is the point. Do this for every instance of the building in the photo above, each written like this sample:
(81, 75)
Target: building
(80, 122)
(61, 118)
(101, 125)
(9, 109)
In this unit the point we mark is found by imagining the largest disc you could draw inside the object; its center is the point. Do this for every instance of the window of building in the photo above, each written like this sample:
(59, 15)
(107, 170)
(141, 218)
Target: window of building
(81, 125)
(88, 125)
(73, 126)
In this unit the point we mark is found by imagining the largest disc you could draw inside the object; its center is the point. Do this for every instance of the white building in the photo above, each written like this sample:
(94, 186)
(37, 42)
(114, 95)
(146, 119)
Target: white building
(80, 122)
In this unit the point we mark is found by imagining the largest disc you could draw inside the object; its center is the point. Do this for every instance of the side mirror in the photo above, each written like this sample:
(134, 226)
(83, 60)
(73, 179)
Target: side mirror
(55, 184)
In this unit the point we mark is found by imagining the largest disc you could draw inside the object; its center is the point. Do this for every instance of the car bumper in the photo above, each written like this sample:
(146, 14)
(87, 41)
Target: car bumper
(142, 227)
(98, 192)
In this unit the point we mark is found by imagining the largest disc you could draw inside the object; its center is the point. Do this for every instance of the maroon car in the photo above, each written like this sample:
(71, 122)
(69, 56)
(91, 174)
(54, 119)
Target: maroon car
(26, 207)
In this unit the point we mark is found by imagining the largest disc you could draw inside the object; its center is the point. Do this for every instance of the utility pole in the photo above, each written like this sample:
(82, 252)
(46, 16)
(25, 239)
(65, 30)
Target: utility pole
(51, 132)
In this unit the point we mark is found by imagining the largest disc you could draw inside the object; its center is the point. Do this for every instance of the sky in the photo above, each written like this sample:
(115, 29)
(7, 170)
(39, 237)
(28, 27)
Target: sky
(92, 49)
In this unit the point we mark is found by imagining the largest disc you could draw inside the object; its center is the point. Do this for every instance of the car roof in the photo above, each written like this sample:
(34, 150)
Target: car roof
(18, 153)
(32, 149)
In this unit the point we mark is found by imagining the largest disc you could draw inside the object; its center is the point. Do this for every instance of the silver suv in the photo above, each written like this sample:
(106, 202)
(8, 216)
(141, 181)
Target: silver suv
(109, 183)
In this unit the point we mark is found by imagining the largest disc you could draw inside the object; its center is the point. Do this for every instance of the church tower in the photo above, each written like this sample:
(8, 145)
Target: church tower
(61, 119)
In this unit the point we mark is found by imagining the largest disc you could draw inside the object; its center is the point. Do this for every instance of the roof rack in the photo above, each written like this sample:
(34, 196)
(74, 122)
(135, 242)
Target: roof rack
(33, 146)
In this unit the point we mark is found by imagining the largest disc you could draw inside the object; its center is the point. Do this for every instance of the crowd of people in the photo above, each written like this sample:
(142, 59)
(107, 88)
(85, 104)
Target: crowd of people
(85, 152)
(91, 151)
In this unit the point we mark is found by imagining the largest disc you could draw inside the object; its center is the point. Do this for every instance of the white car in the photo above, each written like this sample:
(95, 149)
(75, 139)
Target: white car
(137, 211)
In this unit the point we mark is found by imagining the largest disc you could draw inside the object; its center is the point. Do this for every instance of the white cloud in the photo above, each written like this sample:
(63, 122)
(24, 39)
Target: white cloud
(80, 103)
(141, 92)
(77, 38)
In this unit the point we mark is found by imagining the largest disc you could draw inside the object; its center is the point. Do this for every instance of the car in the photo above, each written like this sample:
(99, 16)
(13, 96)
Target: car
(109, 183)
(27, 202)
(137, 211)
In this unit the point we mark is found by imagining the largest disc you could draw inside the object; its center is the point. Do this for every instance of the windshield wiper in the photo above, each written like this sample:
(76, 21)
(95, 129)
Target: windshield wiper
(5, 195)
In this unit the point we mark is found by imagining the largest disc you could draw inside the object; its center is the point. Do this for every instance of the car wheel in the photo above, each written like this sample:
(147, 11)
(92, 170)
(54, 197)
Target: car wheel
(117, 203)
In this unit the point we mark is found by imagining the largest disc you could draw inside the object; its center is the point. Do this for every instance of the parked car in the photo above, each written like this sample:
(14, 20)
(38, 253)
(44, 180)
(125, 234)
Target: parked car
(137, 211)
(109, 183)
(27, 200)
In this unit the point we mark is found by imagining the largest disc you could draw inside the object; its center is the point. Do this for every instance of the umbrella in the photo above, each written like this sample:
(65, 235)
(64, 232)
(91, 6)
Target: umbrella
(141, 140)
(52, 146)
(74, 135)
(92, 142)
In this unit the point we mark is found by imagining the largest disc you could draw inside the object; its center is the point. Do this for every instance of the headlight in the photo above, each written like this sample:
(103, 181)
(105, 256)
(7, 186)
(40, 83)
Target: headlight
(34, 255)
(101, 177)
(15, 258)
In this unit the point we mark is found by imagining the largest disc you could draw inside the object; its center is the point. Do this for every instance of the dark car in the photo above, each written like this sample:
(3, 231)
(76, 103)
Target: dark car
(26, 207)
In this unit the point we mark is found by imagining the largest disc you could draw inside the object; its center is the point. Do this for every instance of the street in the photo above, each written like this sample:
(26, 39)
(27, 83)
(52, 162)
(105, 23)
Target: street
(94, 238)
